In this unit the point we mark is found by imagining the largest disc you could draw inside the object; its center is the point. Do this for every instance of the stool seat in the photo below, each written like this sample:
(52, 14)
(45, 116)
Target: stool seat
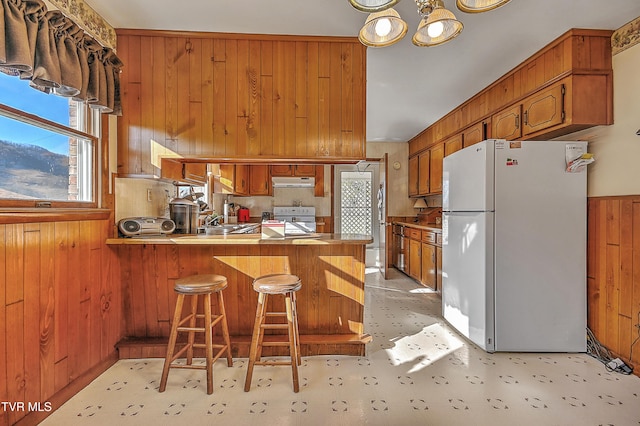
(277, 283)
(193, 287)
(200, 284)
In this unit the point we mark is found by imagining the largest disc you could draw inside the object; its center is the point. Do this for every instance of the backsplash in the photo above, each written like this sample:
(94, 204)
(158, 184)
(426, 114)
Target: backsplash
(142, 197)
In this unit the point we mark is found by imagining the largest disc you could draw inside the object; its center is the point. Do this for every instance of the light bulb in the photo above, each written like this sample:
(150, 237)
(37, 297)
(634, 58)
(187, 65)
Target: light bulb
(383, 27)
(435, 30)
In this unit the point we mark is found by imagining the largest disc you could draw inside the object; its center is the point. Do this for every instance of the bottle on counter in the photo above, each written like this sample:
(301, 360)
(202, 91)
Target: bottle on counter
(225, 211)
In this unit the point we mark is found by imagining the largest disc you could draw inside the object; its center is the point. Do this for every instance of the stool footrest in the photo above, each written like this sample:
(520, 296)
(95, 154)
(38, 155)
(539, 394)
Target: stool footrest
(275, 344)
(274, 326)
(272, 363)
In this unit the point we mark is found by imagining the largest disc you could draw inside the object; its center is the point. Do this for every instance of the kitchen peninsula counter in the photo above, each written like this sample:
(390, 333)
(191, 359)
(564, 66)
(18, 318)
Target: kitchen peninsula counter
(330, 302)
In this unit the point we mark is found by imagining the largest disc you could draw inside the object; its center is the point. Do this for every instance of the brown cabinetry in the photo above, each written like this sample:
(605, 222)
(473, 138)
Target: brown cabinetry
(302, 170)
(423, 254)
(536, 113)
(565, 87)
(474, 134)
(259, 180)
(179, 171)
(424, 162)
(453, 144)
(436, 154)
(413, 176)
(208, 95)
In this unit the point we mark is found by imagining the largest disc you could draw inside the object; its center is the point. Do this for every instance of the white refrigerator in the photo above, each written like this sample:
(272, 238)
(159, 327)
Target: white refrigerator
(514, 246)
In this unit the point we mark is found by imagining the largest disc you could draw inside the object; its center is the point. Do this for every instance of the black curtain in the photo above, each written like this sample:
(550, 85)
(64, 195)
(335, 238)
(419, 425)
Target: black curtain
(57, 56)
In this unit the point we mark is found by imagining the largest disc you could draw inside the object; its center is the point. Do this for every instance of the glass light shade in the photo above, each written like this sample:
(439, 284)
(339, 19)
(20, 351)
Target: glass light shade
(477, 6)
(383, 29)
(451, 27)
(371, 6)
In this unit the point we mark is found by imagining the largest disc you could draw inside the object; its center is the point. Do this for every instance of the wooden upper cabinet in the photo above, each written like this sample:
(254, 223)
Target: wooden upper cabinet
(436, 155)
(453, 144)
(474, 134)
(303, 170)
(507, 124)
(207, 95)
(413, 176)
(543, 110)
(259, 180)
(424, 163)
(195, 172)
(191, 173)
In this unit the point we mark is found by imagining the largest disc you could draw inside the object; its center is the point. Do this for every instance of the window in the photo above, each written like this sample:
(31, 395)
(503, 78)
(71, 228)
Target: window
(48, 147)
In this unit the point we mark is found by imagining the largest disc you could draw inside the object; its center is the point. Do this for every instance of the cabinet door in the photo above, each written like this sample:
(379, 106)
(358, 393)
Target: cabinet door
(304, 170)
(195, 172)
(436, 155)
(259, 180)
(423, 173)
(415, 263)
(281, 170)
(241, 183)
(474, 134)
(318, 189)
(543, 110)
(225, 185)
(428, 260)
(453, 144)
(413, 175)
(506, 124)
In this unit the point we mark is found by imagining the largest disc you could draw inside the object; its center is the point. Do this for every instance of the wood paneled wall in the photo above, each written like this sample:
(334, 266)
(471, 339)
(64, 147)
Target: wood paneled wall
(239, 96)
(614, 274)
(60, 313)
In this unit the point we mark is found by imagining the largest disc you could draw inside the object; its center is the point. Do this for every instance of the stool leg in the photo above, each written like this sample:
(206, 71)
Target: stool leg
(225, 329)
(253, 352)
(177, 316)
(291, 320)
(263, 320)
(208, 341)
(294, 304)
(192, 324)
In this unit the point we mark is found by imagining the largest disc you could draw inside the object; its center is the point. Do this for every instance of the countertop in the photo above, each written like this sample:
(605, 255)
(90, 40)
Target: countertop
(426, 227)
(246, 239)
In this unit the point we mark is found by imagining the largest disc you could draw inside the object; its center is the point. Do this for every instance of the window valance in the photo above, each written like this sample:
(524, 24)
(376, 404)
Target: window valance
(57, 56)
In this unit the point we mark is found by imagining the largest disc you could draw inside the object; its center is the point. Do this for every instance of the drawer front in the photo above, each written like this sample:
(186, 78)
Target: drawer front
(439, 240)
(414, 234)
(428, 237)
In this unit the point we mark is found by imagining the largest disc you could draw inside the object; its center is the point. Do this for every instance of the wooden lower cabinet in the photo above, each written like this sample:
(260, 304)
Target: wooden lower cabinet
(429, 266)
(414, 266)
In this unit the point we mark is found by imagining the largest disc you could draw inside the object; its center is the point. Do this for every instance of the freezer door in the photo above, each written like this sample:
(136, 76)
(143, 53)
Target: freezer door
(467, 178)
(467, 275)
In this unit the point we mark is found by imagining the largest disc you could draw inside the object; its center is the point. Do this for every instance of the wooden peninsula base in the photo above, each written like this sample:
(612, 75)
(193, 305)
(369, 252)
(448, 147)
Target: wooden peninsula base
(330, 303)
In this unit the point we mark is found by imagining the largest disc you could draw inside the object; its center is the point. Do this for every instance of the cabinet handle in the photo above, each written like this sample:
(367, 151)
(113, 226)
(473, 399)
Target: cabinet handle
(526, 117)
(517, 121)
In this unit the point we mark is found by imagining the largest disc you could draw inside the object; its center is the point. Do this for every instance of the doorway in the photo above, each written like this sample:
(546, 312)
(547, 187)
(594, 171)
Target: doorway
(356, 209)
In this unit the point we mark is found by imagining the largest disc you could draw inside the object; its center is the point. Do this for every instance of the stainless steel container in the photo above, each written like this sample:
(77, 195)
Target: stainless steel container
(185, 215)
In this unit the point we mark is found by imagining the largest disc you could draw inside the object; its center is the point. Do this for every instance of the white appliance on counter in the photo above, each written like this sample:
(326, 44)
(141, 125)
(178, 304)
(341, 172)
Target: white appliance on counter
(514, 246)
(299, 220)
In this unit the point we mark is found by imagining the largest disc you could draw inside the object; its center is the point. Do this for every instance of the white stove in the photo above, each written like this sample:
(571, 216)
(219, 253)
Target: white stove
(298, 220)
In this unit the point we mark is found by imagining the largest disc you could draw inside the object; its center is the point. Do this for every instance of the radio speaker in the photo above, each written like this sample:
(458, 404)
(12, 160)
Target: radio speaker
(134, 226)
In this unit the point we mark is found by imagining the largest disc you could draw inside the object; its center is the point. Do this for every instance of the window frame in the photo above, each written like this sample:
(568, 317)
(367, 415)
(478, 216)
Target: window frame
(93, 123)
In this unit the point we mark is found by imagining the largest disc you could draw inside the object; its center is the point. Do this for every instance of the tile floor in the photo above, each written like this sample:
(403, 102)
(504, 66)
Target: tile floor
(417, 372)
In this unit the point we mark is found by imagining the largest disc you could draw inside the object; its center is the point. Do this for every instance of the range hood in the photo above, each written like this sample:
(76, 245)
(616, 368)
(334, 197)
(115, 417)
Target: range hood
(293, 182)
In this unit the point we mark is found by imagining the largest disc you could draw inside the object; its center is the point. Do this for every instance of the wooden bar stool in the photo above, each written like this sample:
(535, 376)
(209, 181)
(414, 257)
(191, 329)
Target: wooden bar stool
(194, 286)
(274, 284)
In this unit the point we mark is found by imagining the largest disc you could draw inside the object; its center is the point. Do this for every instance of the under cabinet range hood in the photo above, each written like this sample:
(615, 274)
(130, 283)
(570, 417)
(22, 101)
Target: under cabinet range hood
(293, 182)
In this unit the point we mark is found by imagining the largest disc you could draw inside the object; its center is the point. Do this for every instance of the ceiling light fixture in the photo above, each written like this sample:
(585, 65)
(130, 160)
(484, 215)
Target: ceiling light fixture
(370, 6)
(438, 25)
(477, 6)
(383, 29)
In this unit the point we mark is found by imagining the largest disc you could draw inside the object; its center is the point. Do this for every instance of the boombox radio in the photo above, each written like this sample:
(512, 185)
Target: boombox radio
(134, 226)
